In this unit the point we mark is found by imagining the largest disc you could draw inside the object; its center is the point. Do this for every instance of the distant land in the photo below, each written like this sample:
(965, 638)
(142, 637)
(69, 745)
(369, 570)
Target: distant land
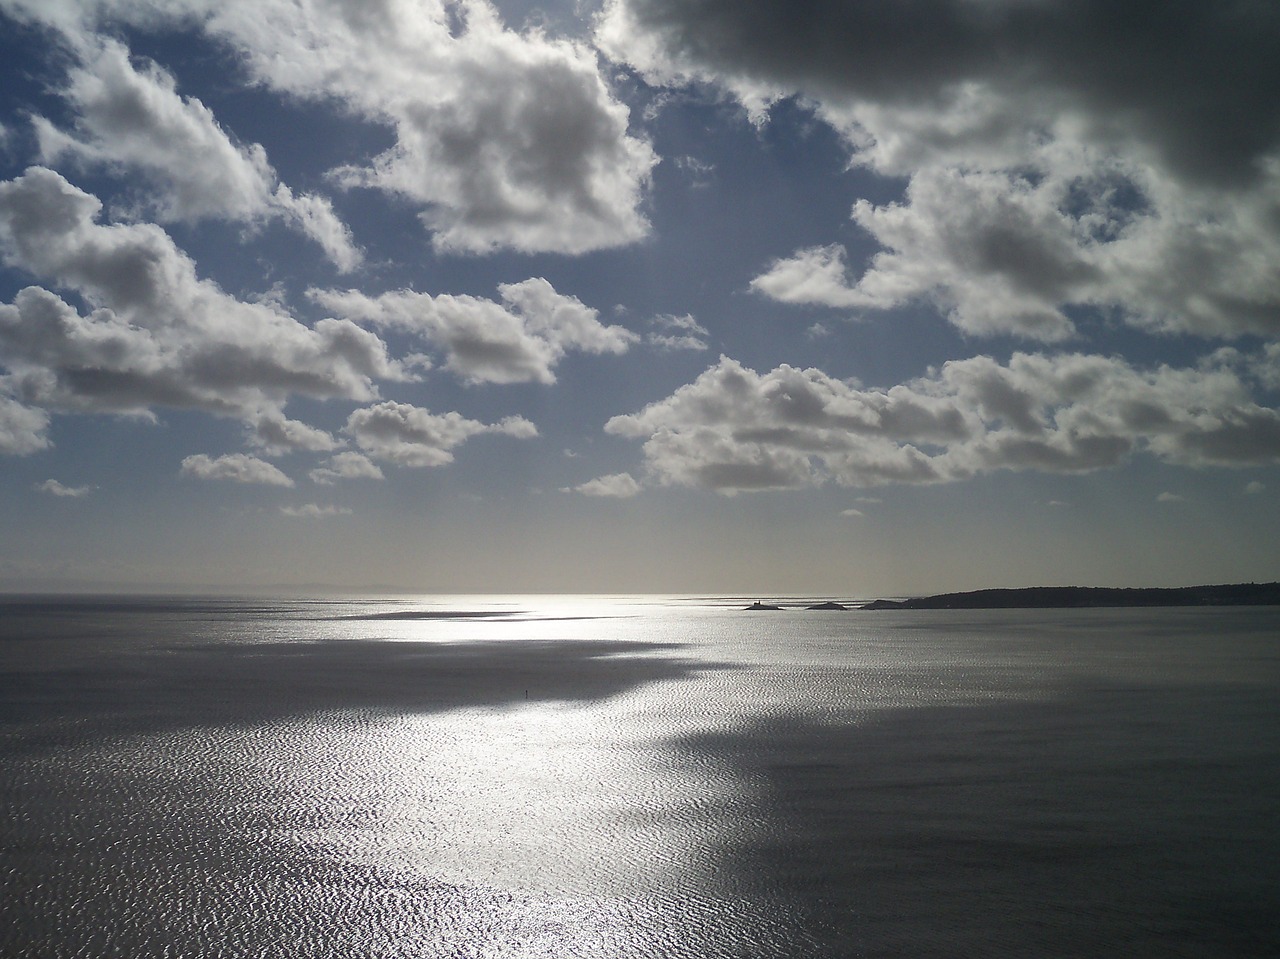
(1081, 597)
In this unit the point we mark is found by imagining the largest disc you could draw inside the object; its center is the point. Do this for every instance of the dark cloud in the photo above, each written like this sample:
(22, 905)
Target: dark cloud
(1192, 80)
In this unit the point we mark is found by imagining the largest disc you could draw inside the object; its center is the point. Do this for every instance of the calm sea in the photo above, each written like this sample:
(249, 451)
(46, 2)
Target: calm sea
(634, 777)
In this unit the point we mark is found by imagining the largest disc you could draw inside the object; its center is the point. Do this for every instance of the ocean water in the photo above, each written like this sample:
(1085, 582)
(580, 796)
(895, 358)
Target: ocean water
(634, 777)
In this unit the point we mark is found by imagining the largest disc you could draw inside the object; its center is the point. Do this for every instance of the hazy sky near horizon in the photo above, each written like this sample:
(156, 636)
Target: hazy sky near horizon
(638, 295)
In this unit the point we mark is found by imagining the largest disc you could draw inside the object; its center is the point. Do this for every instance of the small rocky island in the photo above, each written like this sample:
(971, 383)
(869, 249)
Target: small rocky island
(1085, 597)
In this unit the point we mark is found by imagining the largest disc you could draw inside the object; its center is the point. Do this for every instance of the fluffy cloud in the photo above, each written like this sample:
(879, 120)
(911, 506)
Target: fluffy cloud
(504, 140)
(816, 275)
(518, 340)
(508, 140)
(133, 118)
(734, 430)
(1145, 183)
(1005, 253)
(410, 436)
(54, 488)
(274, 434)
(614, 486)
(345, 465)
(236, 467)
(156, 334)
(22, 429)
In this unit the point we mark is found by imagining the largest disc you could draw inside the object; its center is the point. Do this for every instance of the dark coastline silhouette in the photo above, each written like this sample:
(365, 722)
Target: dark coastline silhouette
(1082, 597)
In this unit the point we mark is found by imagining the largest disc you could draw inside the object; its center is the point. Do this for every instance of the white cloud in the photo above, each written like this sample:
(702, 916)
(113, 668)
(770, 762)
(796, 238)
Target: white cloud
(22, 429)
(681, 333)
(274, 434)
(410, 436)
(54, 488)
(314, 216)
(346, 465)
(133, 118)
(236, 467)
(615, 486)
(314, 511)
(734, 430)
(156, 334)
(507, 140)
(816, 275)
(1254, 487)
(1170, 498)
(518, 340)
(503, 139)
(852, 512)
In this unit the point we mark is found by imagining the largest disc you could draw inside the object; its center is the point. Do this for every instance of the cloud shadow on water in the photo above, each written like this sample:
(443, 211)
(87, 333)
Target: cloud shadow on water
(1123, 821)
(239, 684)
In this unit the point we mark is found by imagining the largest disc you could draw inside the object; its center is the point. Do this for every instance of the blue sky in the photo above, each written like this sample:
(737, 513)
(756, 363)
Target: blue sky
(645, 295)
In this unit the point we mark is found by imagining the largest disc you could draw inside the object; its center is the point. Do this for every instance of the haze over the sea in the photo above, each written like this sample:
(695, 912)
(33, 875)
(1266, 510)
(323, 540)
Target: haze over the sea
(856, 299)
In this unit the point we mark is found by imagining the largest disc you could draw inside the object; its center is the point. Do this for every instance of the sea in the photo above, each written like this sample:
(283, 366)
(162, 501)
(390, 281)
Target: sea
(634, 776)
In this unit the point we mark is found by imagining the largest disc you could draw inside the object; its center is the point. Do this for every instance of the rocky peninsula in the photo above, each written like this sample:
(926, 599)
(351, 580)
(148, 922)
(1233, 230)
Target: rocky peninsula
(1085, 597)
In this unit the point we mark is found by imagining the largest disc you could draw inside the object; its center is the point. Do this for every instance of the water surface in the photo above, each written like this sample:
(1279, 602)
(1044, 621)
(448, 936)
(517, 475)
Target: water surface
(638, 776)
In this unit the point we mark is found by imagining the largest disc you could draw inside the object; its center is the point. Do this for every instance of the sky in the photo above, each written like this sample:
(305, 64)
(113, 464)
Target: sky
(679, 296)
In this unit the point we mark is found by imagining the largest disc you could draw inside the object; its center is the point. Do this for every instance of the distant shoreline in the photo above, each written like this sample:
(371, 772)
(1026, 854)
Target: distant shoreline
(1090, 597)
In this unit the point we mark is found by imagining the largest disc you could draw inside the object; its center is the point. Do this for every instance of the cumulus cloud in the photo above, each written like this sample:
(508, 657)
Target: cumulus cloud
(816, 275)
(22, 429)
(345, 465)
(517, 340)
(507, 140)
(735, 430)
(132, 118)
(274, 434)
(155, 334)
(1254, 487)
(235, 467)
(502, 139)
(614, 486)
(1146, 183)
(410, 436)
(54, 488)
(314, 511)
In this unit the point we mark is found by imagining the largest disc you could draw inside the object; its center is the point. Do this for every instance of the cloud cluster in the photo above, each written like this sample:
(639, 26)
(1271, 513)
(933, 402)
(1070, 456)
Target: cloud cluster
(734, 430)
(1058, 153)
(502, 139)
(518, 340)
(155, 334)
(132, 118)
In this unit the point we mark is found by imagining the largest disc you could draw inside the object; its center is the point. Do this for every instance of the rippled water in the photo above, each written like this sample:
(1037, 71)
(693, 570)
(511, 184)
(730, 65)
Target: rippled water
(560, 777)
